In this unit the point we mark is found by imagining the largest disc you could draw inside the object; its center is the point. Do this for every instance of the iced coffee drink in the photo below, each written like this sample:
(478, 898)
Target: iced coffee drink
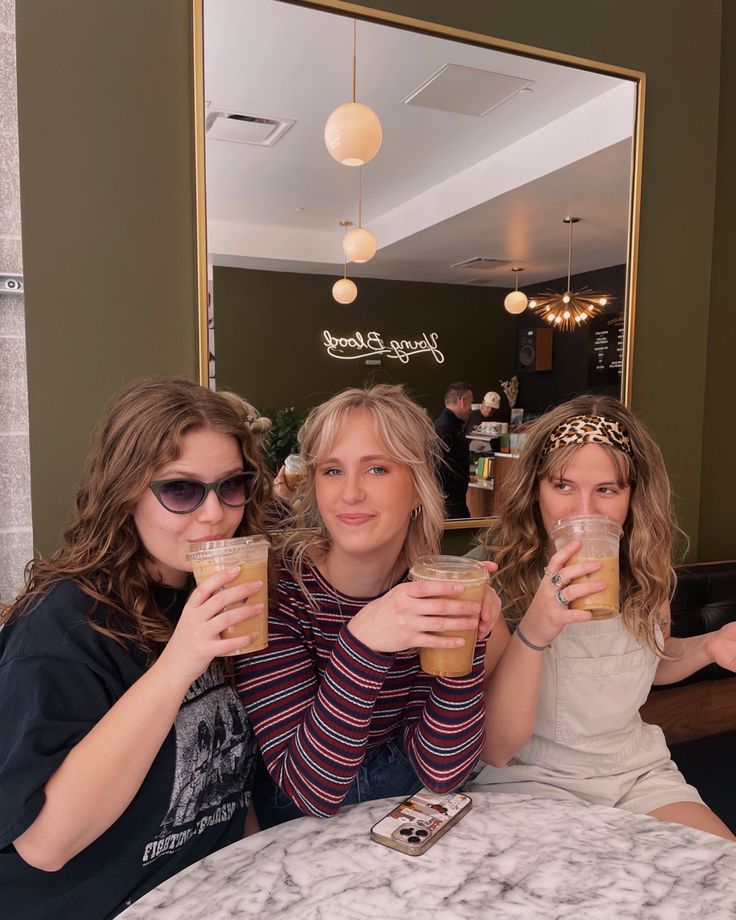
(250, 555)
(600, 537)
(451, 662)
(295, 471)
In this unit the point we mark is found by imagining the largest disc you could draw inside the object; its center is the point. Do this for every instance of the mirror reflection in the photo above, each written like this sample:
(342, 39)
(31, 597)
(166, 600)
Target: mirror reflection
(484, 153)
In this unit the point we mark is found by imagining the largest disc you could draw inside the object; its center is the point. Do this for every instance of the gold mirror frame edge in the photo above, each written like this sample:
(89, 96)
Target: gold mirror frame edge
(430, 28)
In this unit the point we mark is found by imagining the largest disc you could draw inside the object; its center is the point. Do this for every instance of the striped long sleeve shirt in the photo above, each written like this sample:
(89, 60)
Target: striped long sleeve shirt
(319, 699)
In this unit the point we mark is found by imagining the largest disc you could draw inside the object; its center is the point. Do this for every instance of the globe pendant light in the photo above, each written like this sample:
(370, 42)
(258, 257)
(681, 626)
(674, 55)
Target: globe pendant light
(359, 244)
(353, 132)
(344, 290)
(573, 308)
(516, 301)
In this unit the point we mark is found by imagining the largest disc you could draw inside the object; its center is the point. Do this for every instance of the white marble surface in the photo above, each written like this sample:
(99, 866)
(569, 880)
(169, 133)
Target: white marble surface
(510, 857)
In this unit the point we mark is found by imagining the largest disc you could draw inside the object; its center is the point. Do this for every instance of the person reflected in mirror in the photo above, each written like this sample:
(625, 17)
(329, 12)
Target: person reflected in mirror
(125, 753)
(340, 708)
(485, 412)
(454, 466)
(562, 703)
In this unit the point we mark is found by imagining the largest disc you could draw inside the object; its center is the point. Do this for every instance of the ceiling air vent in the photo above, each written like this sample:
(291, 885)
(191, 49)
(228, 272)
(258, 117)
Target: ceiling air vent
(482, 263)
(465, 90)
(239, 128)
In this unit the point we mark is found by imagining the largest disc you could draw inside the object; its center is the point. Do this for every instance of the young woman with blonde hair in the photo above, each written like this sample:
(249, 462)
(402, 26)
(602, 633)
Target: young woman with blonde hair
(338, 703)
(562, 704)
(125, 754)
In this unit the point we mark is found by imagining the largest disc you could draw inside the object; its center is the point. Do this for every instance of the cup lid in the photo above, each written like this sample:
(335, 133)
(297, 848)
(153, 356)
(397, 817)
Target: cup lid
(586, 524)
(207, 548)
(448, 568)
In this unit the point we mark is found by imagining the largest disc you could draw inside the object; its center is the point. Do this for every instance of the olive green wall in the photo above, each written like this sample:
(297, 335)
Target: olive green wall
(718, 496)
(269, 336)
(105, 133)
(106, 167)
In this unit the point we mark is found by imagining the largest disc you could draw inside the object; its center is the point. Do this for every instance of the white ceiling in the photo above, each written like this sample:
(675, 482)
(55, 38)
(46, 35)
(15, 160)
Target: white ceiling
(444, 187)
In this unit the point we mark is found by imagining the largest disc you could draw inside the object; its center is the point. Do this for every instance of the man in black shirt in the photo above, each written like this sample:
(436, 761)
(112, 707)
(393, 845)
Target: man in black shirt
(450, 427)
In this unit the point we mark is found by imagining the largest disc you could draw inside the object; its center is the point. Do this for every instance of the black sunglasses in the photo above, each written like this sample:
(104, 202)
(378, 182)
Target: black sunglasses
(182, 496)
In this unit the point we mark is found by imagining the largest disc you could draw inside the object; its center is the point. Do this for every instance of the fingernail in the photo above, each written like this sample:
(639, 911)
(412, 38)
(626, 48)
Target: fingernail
(233, 570)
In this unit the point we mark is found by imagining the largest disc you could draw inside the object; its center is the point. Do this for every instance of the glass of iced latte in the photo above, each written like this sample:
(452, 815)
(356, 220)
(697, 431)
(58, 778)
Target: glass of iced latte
(250, 555)
(451, 662)
(600, 537)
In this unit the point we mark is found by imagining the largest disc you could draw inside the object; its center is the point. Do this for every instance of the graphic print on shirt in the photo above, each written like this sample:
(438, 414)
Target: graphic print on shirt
(215, 755)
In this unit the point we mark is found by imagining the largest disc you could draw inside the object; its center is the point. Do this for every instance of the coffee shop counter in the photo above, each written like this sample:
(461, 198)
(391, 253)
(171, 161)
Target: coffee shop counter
(510, 857)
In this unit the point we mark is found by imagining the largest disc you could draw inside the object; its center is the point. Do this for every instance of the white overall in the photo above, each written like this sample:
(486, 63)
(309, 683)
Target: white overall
(589, 740)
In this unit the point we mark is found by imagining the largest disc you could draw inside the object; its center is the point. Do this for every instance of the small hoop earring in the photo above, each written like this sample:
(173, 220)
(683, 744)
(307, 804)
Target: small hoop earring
(415, 512)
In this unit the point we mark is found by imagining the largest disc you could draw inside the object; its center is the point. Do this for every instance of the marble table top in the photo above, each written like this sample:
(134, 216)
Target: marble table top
(511, 856)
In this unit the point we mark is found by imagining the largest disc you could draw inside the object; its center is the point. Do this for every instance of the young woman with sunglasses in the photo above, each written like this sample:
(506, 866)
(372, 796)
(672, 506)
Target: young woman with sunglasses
(125, 754)
(338, 702)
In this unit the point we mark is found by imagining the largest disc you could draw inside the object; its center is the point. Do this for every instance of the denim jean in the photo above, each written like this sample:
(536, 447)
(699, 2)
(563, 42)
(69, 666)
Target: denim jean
(385, 771)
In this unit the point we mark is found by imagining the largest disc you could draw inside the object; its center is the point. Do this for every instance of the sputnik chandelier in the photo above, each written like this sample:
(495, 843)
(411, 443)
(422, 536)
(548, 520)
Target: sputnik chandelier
(569, 310)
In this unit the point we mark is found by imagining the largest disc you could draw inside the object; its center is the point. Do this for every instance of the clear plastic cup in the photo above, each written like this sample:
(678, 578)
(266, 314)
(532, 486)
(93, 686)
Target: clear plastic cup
(295, 471)
(451, 662)
(600, 537)
(250, 554)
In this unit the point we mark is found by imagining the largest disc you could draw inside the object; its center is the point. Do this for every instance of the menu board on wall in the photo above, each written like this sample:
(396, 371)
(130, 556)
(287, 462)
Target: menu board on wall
(605, 349)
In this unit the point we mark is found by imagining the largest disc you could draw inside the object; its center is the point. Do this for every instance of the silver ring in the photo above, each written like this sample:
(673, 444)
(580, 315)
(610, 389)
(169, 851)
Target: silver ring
(561, 599)
(547, 571)
(557, 580)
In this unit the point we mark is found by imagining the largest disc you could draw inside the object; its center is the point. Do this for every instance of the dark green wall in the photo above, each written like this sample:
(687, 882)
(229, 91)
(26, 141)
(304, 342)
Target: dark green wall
(106, 165)
(269, 336)
(105, 131)
(718, 504)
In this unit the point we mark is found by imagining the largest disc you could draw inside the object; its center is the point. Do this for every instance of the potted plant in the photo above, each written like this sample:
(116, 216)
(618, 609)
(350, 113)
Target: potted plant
(281, 439)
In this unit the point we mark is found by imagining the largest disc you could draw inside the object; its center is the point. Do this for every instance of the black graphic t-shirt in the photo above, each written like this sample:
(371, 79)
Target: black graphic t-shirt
(58, 678)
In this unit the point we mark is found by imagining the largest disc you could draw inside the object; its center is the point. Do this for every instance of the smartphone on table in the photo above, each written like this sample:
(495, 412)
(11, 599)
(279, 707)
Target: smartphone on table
(419, 821)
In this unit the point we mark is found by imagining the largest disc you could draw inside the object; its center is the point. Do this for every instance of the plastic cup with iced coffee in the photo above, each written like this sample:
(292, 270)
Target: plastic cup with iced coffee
(600, 537)
(250, 555)
(451, 662)
(295, 471)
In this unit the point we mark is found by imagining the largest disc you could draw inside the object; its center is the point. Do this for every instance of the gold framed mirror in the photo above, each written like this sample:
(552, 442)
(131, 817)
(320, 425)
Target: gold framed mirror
(462, 191)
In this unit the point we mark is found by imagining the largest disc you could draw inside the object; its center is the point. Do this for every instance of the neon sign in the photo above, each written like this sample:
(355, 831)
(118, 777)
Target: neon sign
(372, 344)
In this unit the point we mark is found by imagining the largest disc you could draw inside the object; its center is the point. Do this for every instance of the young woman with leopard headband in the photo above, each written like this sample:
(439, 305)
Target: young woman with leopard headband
(562, 701)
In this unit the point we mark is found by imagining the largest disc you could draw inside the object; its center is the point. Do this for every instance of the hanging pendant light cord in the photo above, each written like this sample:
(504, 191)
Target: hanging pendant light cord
(569, 257)
(355, 39)
(360, 196)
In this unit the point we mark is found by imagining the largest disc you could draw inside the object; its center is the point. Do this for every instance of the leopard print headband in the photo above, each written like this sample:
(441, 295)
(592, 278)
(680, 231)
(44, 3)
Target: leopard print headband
(589, 429)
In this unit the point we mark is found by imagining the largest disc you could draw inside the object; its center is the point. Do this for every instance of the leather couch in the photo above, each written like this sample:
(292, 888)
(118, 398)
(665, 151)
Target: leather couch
(698, 715)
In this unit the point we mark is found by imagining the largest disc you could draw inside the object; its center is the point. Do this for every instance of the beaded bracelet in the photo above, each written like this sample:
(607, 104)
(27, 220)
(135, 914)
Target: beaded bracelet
(527, 643)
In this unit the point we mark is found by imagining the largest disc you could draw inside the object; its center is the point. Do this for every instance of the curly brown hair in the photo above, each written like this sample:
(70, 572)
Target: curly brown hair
(101, 549)
(517, 540)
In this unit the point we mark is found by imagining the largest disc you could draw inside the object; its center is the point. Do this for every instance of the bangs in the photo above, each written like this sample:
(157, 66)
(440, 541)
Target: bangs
(553, 466)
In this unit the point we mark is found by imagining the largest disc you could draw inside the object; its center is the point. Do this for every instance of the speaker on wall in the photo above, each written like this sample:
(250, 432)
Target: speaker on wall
(535, 349)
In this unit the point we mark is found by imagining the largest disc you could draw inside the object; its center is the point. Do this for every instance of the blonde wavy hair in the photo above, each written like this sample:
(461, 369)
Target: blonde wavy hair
(409, 438)
(517, 541)
(101, 549)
